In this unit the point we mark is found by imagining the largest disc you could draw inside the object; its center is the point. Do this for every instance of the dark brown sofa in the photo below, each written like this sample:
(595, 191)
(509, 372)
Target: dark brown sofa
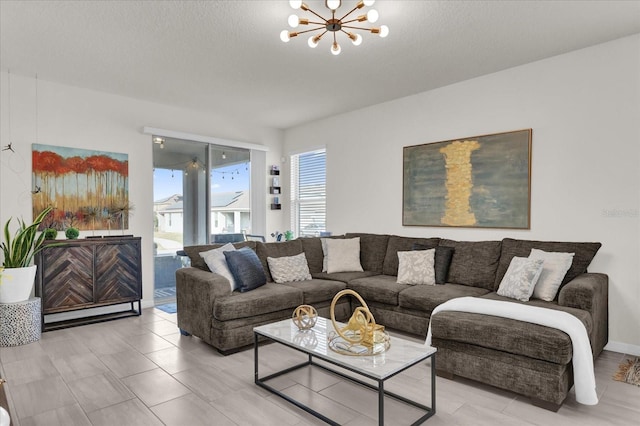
(532, 360)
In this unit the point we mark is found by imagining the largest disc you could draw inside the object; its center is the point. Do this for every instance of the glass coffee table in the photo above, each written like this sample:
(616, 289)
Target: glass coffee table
(401, 355)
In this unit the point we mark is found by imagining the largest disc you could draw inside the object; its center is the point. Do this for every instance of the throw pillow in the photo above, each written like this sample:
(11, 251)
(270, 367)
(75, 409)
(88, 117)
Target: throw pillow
(246, 268)
(217, 262)
(521, 278)
(442, 260)
(554, 269)
(343, 255)
(416, 267)
(289, 268)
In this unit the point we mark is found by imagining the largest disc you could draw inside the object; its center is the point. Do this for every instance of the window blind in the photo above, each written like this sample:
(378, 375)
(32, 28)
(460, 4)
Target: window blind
(308, 193)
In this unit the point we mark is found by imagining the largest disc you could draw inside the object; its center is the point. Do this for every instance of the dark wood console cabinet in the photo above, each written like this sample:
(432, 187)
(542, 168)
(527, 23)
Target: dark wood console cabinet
(89, 273)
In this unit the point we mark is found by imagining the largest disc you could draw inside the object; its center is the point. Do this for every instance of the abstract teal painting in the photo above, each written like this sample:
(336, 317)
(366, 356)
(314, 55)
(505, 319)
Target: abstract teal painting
(479, 182)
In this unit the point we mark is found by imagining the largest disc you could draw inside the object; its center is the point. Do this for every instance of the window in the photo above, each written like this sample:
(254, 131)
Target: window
(308, 193)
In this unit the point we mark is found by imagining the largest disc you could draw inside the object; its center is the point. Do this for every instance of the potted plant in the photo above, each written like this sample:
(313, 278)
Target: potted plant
(18, 249)
(72, 233)
(50, 233)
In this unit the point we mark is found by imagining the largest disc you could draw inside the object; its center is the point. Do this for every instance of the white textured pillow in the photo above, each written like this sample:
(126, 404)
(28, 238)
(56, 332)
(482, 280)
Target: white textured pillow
(217, 262)
(325, 251)
(555, 267)
(343, 255)
(416, 267)
(521, 278)
(289, 268)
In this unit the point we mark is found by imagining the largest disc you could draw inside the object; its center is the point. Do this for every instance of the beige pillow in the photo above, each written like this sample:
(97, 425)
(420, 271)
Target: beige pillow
(217, 262)
(416, 267)
(343, 255)
(554, 269)
(289, 268)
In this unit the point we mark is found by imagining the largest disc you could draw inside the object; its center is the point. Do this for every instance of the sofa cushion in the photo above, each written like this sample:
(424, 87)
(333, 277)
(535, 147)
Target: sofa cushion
(427, 297)
(198, 262)
(508, 335)
(345, 277)
(341, 255)
(474, 263)
(442, 261)
(584, 253)
(379, 288)
(312, 247)
(280, 249)
(289, 268)
(521, 278)
(268, 298)
(317, 291)
(416, 267)
(246, 268)
(217, 263)
(396, 244)
(373, 248)
(555, 267)
(581, 314)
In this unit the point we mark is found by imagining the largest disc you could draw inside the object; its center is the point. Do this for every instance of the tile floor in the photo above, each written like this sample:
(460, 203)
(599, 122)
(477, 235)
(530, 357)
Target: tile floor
(141, 371)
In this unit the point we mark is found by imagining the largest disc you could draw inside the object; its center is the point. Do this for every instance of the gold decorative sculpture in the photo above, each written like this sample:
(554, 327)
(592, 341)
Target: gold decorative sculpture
(361, 336)
(304, 317)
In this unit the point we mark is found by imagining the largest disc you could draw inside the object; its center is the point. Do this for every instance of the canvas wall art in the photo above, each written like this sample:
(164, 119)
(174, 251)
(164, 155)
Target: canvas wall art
(480, 181)
(87, 189)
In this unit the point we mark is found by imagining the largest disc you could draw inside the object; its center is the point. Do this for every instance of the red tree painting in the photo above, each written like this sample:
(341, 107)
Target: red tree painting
(87, 189)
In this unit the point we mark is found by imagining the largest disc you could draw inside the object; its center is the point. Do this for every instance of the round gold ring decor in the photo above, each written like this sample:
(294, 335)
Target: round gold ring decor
(304, 317)
(361, 336)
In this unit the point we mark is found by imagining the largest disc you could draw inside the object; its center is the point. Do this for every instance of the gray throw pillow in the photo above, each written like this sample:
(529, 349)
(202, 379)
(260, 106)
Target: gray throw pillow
(442, 260)
(246, 269)
(521, 277)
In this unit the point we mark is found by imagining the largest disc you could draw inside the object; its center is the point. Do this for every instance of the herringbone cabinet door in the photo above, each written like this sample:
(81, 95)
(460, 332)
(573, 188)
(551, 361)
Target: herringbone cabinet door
(69, 277)
(117, 273)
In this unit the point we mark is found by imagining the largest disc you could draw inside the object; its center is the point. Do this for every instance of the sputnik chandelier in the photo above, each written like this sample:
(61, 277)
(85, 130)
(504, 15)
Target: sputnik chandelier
(333, 25)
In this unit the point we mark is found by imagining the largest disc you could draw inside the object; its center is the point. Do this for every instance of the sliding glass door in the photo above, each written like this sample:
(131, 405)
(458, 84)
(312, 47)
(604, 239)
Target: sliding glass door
(201, 195)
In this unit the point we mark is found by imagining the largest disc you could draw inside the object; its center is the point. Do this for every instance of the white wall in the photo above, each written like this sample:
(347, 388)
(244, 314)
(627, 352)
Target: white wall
(74, 117)
(584, 109)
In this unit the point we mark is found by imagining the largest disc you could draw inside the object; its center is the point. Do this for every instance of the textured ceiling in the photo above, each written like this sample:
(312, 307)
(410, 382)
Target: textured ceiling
(226, 56)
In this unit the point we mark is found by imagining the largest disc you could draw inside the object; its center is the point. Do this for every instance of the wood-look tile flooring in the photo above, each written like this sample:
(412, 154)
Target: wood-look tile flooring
(141, 371)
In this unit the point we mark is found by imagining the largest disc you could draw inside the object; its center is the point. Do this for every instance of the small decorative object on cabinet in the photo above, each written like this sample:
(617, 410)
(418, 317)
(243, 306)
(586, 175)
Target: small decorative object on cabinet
(275, 188)
(89, 273)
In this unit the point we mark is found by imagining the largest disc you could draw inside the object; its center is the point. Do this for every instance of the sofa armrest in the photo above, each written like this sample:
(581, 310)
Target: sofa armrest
(590, 292)
(196, 292)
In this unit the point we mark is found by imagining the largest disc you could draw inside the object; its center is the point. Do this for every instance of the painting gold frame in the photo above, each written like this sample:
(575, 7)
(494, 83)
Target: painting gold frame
(476, 182)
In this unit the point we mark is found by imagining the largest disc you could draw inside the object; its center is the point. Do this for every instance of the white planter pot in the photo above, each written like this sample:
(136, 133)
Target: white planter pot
(16, 284)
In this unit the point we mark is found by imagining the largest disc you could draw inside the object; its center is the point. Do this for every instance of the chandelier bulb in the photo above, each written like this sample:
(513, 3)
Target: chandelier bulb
(295, 3)
(384, 31)
(356, 39)
(293, 21)
(333, 4)
(369, 2)
(284, 36)
(372, 16)
(313, 41)
(335, 48)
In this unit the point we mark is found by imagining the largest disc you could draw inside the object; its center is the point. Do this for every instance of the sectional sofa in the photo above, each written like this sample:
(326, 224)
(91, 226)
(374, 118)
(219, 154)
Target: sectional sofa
(526, 358)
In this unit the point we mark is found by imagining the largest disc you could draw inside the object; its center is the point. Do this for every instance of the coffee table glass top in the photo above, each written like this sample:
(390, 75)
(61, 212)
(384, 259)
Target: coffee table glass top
(398, 357)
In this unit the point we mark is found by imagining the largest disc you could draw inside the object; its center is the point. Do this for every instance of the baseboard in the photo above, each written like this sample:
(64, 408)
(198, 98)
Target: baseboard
(147, 303)
(624, 348)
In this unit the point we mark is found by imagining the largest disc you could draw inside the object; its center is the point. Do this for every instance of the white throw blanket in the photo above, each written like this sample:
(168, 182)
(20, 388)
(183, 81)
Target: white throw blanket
(583, 376)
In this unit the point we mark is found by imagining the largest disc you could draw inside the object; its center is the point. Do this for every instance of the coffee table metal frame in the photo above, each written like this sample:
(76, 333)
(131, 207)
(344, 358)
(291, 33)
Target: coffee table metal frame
(428, 354)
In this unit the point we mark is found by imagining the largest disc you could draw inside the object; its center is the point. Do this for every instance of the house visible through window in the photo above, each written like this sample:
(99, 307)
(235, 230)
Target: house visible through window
(308, 193)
